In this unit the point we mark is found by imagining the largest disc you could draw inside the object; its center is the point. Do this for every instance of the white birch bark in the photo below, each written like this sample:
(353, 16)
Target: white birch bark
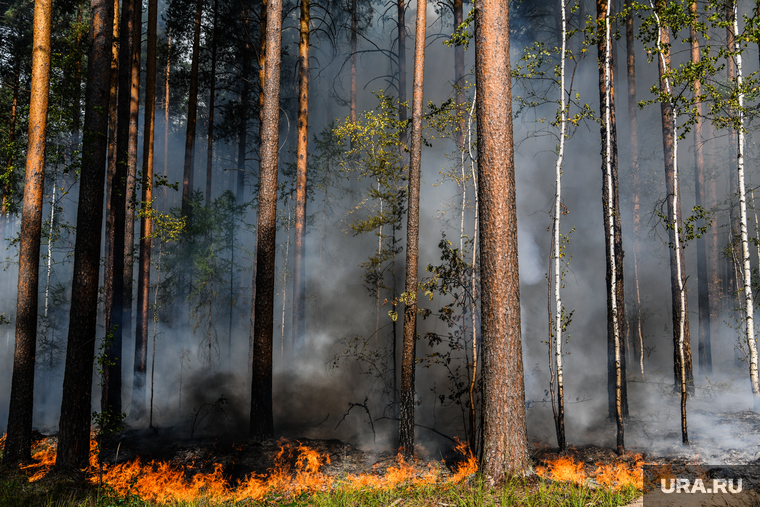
(746, 269)
(558, 215)
(50, 245)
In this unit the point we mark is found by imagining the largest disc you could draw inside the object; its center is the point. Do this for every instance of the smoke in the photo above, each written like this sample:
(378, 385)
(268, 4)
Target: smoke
(313, 397)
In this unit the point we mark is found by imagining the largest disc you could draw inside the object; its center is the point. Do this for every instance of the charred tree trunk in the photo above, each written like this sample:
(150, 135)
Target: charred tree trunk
(408, 356)
(18, 443)
(505, 446)
(703, 293)
(261, 422)
(633, 134)
(212, 97)
(143, 276)
(74, 432)
(299, 265)
(192, 115)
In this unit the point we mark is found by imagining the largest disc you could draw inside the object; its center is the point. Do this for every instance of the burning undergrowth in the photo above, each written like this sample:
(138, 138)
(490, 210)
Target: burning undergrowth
(249, 470)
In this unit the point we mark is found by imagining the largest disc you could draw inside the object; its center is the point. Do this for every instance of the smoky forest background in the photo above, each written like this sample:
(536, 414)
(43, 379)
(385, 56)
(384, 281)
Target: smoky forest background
(276, 218)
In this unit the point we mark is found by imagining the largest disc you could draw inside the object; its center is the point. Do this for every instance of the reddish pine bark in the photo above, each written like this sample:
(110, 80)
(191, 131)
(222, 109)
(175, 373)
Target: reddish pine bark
(19, 430)
(299, 275)
(143, 277)
(408, 359)
(261, 421)
(505, 445)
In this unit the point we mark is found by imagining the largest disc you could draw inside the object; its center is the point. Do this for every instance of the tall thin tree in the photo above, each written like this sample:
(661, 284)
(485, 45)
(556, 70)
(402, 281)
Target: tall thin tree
(299, 271)
(211, 106)
(505, 443)
(408, 356)
(143, 276)
(74, 426)
(261, 421)
(192, 114)
(18, 442)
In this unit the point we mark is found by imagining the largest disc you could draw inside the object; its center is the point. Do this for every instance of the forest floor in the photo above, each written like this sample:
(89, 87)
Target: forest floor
(155, 470)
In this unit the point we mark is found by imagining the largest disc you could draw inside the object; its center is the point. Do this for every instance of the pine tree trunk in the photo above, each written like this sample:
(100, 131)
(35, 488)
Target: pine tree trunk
(243, 126)
(111, 393)
(401, 26)
(129, 216)
(261, 422)
(212, 98)
(459, 78)
(703, 293)
(166, 112)
(19, 430)
(143, 276)
(505, 446)
(192, 115)
(408, 356)
(299, 266)
(74, 426)
(633, 136)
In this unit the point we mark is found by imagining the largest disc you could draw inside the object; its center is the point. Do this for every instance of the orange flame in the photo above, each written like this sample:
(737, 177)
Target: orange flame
(617, 475)
(297, 469)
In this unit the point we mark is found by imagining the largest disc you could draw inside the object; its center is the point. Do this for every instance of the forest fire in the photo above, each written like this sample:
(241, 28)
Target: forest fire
(298, 469)
(615, 475)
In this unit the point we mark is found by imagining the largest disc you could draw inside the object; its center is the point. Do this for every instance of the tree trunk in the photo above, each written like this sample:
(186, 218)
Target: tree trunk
(299, 264)
(402, 66)
(354, 30)
(244, 102)
(9, 169)
(408, 359)
(166, 111)
(703, 294)
(74, 426)
(616, 385)
(19, 430)
(143, 275)
(76, 97)
(129, 216)
(505, 446)
(559, 407)
(111, 393)
(192, 115)
(633, 136)
(459, 79)
(212, 97)
(747, 295)
(261, 422)
(677, 264)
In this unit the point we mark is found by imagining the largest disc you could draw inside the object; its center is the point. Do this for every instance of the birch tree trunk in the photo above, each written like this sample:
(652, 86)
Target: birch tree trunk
(749, 307)
(677, 265)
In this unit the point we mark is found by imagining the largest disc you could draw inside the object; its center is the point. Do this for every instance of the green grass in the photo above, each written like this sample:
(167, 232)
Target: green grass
(15, 491)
